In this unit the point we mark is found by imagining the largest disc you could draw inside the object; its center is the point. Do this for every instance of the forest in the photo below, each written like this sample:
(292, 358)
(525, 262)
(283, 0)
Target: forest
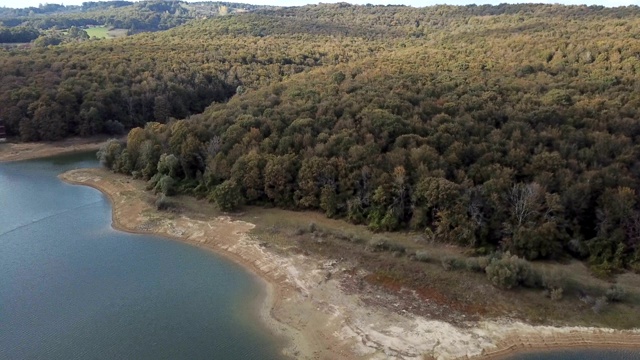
(498, 128)
(149, 15)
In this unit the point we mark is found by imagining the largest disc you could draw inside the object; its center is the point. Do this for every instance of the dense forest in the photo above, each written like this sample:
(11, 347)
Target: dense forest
(511, 128)
(150, 15)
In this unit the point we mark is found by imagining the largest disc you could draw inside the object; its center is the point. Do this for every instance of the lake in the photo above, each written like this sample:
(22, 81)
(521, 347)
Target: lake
(71, 287)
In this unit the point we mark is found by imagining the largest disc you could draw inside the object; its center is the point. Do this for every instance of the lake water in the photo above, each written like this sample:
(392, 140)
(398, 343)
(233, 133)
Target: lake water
(71, 287)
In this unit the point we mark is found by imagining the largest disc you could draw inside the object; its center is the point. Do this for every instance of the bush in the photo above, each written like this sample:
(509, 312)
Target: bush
(422, 256)
(510, 271)
(599, 305)
(113, 127)
(556, 294)
(554, 279)
(163, 203)
(227, 196)
(166, 185)
(397, 248)
(603, 270)
(453, 263)
(477, 264)
(378, 243)
(615, 293)
(151, 184)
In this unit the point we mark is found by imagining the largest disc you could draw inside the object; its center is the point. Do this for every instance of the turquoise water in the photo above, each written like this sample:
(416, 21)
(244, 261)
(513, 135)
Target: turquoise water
(71, 287)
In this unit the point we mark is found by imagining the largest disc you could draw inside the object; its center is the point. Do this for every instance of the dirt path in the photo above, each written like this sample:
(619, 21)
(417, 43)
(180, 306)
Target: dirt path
(25, 151)
(305, 301)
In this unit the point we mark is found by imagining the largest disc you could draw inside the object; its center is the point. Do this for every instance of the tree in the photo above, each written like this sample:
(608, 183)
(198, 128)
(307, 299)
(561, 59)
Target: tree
(109, 153)
(227, 196)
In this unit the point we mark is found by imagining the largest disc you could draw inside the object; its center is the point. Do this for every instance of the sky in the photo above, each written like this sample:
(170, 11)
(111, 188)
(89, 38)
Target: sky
(417, 3)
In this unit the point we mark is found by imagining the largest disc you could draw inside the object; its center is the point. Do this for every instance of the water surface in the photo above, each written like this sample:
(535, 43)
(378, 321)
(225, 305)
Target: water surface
(71, 287)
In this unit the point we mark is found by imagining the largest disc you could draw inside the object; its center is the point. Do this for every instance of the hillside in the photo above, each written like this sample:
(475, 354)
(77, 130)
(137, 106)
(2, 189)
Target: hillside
(509, 129)
(149, 15)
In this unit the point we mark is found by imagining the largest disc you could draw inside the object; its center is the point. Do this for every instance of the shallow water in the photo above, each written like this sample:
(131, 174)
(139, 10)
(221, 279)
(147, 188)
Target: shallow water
(71, 287)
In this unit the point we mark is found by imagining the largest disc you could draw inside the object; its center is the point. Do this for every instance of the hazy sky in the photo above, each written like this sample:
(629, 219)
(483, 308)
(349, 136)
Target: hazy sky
(26, 3)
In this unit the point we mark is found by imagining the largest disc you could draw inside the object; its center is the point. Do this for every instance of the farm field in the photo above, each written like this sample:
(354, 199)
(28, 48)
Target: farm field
(104, 32)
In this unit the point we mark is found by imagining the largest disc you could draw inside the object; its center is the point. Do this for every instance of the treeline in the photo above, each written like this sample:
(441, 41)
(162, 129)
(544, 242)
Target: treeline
(18, 34)
(152, 15)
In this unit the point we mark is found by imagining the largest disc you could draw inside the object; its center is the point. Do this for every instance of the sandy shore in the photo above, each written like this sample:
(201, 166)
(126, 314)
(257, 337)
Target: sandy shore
(26, 151)
(306, 304)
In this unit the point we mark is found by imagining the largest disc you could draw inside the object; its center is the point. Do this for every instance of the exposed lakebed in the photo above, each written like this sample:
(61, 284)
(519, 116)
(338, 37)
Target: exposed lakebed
(71, 287)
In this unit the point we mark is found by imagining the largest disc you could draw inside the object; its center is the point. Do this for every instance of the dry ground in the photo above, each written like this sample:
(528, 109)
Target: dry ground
(10, 151)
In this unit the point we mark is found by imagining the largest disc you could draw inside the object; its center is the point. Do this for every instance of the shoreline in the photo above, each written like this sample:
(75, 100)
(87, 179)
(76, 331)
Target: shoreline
(10, 152)
(271, 293)
(315, 317)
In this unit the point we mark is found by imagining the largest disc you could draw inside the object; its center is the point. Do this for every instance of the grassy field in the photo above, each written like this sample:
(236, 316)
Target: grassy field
(101, 32)
(104, 32)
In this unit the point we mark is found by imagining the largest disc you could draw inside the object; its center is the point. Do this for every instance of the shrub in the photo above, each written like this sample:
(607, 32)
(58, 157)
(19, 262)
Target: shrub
(166, 185)
(453, 263)
(378, 243)
(113, 127)
(615, 293)
(510, 271)
(163, 203)
(151, 184)
(552, 279)
(422, 256)
(397, 248)
(227, 196)
(477, 264)
(604, 270)
(357, 239)
(556, 294)
(599, 305)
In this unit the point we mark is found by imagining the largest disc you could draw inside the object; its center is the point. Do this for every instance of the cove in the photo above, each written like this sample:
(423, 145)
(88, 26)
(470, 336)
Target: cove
(71, 287)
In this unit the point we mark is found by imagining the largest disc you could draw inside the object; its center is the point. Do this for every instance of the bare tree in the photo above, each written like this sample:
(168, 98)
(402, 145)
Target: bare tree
(526, 201)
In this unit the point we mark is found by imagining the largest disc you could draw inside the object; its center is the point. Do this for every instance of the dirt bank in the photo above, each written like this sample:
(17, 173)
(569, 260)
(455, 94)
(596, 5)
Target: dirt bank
(307, 304)
(24, 151)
